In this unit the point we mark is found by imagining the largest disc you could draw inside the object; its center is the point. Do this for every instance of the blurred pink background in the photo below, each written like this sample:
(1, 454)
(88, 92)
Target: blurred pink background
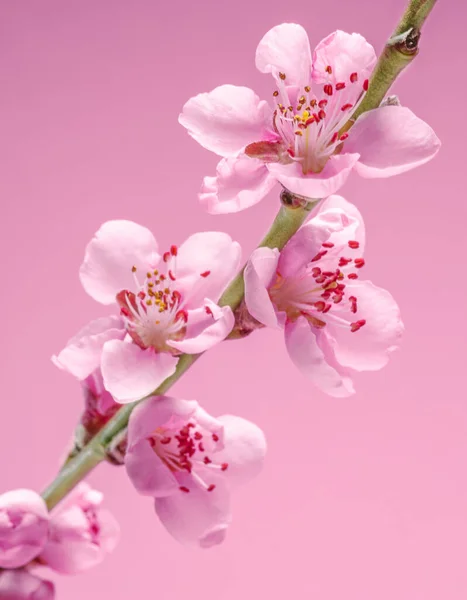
(361, 499)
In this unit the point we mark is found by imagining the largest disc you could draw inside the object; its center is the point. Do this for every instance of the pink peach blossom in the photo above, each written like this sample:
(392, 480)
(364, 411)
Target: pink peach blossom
(188, 461)
(334, 322)
(167, 306)
(82, 533)
(23, 585)
(24, 525)
(298, 141)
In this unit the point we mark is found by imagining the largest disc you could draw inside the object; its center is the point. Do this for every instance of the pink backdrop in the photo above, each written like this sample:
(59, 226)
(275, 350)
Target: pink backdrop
(362, 498)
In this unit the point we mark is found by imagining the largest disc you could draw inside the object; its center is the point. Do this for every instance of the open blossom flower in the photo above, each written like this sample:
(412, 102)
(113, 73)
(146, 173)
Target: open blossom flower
(24, 525)
(167, 306)
(188, 461)
(23, 585)
(334, 322)
(298, 141)
(82, 533)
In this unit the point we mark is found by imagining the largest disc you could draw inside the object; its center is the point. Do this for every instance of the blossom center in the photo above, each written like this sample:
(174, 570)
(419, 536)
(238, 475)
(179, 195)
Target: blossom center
(309, 121)
(157, 312)
(188, 449)
(319, 290)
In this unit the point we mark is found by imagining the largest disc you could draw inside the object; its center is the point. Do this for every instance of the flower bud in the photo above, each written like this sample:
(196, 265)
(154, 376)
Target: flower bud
(22, 585)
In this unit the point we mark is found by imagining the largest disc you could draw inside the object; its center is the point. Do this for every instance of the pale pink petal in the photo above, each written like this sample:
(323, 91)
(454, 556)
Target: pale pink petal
(240, 182)
(82, 354)
(156, 412)
(206, 263)
(285, 49)
(367, 349)
(22, 585)
(110, 256)
(147, 472)
(315, 185)
(244, 449)
(345, 53)
(130, 373)
(259, 273)
(336, 221)
(24, 526)
(199, 517)
(315, 360)
(391, 140)
(227, 119)
(206, 327)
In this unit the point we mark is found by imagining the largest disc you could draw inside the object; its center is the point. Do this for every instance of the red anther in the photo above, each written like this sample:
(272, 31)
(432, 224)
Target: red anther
(328, 273)
(173, 250)
(327, 89)
(124, 311)
(309, 121)
(319, 255)
(335, 135)
(182, 314)
(291, 152)
(208, 310)
(313, 103)
(176, 296)
(327, 308)
(353, 303)
(201, 447)
(353, 77)
(171, 275)
(142, 295)
(315, 271)
(320, 279)
(215, 437)
(352, 276)
(166, 440)
(357, 325)
(346, 106)
(354, 245)
(162, 277)
(337, 298)
(328, 69)
(327, 245)
(326, 295)
(322, 103)
(316, 117)
(320, 305)
(340, 286)
(211, 487)
(224, 466)
(344, 136)
(340, 86)
(205, 273)
(198, 435)
(322, 114)
(166, 256)
(365, 85)
(182, 488)
(344, 261)
(359, 262)
(207, 460)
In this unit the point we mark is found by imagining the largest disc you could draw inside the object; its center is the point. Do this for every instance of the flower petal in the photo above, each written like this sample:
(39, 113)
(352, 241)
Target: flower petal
(244, 449)
(240, 182)
(309, 352)
(197, 517)
(82, 354)
(206, 327)
(315, 185)
(336, 221)
(206, 263)
(20, 584)
(345, 53)
(259, 272)
(391, 140)
(226, 119)
(149, 475)
(110, 256)
(130, 373)
(367, 349)
(285, 49)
